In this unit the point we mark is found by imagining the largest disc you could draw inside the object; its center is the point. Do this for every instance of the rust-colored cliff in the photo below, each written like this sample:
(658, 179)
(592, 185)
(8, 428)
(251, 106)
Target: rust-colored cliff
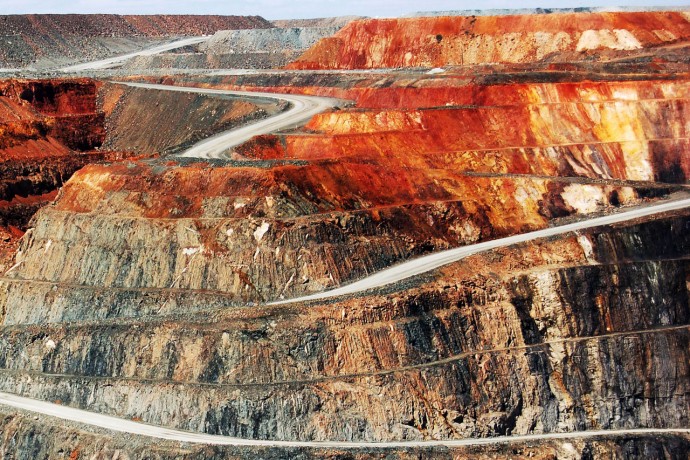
(448, 41)
(48, 130)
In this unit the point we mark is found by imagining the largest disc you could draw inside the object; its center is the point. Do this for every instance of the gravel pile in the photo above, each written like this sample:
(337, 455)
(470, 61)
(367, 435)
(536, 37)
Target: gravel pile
(265, 40)
(214, 61)
(339, 21)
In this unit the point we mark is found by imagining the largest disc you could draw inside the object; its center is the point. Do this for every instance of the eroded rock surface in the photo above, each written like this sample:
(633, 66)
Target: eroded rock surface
(143, 291)
(161, 122)
(457, 40)
(48, 130)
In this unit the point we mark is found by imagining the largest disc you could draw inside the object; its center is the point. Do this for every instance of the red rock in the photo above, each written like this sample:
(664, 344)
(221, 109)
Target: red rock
(443, 41)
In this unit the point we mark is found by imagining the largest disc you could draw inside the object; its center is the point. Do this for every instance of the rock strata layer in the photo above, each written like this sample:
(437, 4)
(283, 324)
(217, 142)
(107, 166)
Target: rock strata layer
(471, 40)
(48, 130)
(144, 291)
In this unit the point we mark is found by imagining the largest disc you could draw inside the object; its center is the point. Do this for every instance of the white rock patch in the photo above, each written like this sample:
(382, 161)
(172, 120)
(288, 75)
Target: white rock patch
(583, 198)
(587, 247)
(193, 250)
(261, 231)
(616, 39)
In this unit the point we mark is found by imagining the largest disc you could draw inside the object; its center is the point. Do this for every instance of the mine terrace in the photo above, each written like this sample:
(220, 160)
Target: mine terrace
(180, 194)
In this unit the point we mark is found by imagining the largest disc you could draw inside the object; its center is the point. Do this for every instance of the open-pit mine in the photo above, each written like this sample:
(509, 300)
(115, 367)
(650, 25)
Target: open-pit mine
(448, 236)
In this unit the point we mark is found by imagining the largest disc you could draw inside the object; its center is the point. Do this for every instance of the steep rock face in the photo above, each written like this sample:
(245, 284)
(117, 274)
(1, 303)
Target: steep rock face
(606, 130)
(48, 130)
(63, 110)
(26, 437)
(182, 251)
(261, 234)
(441, 41)
(554, 336)
(142, 292)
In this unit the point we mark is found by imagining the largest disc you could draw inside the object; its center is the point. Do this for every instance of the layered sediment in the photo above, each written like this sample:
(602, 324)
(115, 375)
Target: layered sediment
(428, 359)
(49, 130)
(371, 187)
(447, 41)
(144, 291)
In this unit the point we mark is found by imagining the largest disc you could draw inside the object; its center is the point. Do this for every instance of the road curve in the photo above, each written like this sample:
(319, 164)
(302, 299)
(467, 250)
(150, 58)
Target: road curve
(302, 109)
(113, 61)
(432, 261)
(127, 426)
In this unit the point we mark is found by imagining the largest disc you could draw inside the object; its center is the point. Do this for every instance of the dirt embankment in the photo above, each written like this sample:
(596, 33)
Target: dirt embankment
(448, 41)
(149, 121)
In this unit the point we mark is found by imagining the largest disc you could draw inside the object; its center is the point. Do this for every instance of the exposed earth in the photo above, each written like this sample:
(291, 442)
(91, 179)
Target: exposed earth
(438, 236)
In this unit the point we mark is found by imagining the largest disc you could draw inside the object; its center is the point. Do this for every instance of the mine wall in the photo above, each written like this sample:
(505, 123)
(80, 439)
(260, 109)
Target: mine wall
(564, 345)
(442, 41)
(143, 291)
(154, 302)
(265, 234)
(48, 130)
(31, 437)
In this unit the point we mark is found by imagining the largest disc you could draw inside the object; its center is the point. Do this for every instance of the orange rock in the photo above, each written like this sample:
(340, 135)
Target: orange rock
(443, 41)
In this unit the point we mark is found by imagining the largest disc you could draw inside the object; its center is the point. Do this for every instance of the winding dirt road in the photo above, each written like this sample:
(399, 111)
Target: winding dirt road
(302, 108)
